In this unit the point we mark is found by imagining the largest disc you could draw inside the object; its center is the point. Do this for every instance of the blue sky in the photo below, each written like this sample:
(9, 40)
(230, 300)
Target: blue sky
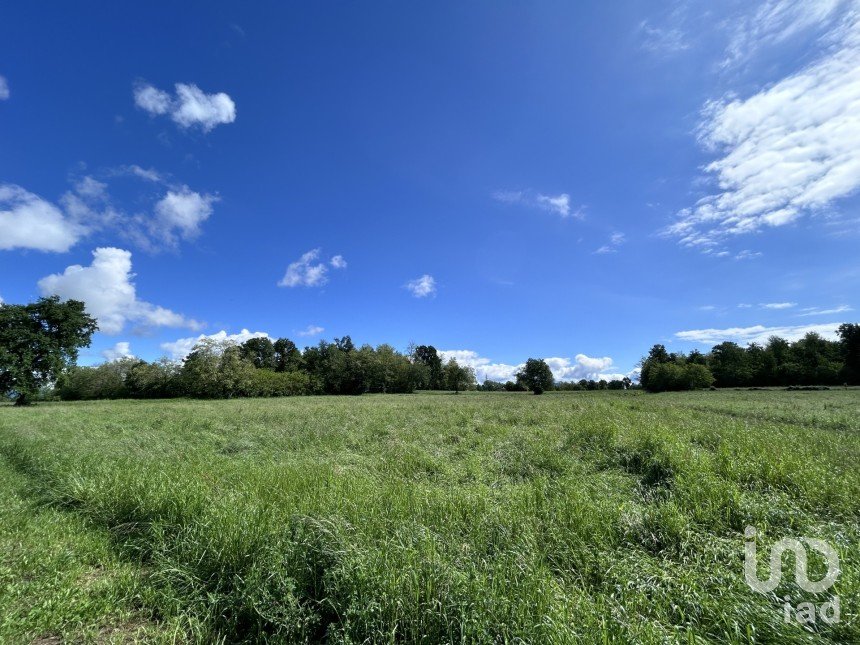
(575, 181)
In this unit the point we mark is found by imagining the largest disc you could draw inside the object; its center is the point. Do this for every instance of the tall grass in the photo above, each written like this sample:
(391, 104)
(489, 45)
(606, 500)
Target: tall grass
(581, 517)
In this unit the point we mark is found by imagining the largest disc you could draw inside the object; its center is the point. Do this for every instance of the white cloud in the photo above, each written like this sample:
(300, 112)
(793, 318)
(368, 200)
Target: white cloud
(151, 99)
(190, 107)
(423, 286)
(777, 21)
(107, 289)
(615, 240)
(558, 204)
(663, 40)
(149, 174)
(29, 222)
(118, 351)
(4, 88)
(180, 348)
(777, 305)
(311, 330)
(182, 211)
(307, 271)
(563, 369)
(817, 311)
(789, 150)
(756, 333)
(746, 254)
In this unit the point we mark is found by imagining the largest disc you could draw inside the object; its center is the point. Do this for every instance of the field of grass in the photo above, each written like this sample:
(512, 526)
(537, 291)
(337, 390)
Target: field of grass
(584, 517)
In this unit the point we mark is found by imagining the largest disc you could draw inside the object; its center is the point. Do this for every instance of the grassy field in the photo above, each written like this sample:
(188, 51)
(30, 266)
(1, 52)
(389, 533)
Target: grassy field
(585, 517)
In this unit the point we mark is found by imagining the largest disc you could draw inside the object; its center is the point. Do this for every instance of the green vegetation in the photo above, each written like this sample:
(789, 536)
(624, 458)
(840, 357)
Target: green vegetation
(586, 517)
(38, 341)
(809, 361)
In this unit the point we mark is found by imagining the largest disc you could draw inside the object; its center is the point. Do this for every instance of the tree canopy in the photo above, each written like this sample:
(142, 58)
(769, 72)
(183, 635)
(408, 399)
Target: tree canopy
(536, 376)
(38, 341)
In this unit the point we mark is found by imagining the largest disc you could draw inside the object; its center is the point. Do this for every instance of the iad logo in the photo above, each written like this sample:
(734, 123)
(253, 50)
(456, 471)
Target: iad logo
(805, 612)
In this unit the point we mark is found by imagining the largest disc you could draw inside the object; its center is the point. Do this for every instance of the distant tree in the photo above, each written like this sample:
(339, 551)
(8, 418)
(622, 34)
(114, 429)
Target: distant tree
(850, 351)
(697, 358)
(288, 358)
(458, 377)
(536, 376)
(216, 370)
(427, 356)
(260, 351)
(38, 341)
(730, 365)
(491, 386)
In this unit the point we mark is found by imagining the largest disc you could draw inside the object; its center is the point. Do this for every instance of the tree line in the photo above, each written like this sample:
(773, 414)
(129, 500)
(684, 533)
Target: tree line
(39, 345)
(811, 360)
(260, 367)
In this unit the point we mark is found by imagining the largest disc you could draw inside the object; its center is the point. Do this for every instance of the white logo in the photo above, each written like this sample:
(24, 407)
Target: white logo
(805, 611)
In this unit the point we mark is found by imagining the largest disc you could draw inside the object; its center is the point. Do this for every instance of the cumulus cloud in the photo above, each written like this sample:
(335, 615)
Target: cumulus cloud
(190, 106)
(423, 286)
(107, 289)
(29, 222)
(4, 88)
(118, 351)
(756, 333)
(787, 151)
(180, 348)
(311, 330)
(309, 271)
(559, 204)
(181, 212)
(563, 369)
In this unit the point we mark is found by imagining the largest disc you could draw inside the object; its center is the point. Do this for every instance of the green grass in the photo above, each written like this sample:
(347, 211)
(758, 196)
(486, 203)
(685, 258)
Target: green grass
(566, 518)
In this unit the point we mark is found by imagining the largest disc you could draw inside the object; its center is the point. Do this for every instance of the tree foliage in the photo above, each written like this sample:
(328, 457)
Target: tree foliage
(811, 360)
(536, 376)
(38, 341)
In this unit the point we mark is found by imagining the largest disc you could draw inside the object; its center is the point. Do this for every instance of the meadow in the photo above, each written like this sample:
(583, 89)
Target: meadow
(581, 517)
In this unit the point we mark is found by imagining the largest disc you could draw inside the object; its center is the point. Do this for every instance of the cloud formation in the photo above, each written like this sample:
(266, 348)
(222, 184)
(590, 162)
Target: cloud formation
(308, 271)
(311, 330)
(29, 222)
(121, 350)
(422, 287)
(107, 289)
(4, 88)
(818, 311)
(777, 305)
(180, 348)
(778, 21)
(563, 369)
(190, 106)
(180, 213)
(615, 240)
(756, 333)
(790, 150)
(558, 204)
